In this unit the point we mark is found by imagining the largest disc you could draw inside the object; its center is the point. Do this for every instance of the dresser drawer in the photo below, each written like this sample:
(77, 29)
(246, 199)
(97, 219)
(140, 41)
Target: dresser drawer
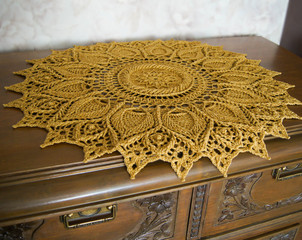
(288, 233)
(283, 228)
(253, 198)
(161, 216)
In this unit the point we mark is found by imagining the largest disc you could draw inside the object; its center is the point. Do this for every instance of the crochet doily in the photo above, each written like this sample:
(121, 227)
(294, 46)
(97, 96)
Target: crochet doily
(174, 101)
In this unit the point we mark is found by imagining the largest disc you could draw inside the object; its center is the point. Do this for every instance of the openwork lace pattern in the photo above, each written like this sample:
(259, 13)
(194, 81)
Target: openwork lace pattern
(175, 101)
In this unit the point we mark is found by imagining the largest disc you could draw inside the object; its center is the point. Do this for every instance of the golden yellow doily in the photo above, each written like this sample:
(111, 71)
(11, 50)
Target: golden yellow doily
(175, 101)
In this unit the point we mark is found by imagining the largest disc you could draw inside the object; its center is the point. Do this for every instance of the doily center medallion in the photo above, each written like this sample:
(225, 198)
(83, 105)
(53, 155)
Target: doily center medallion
(151, 82)
(174, 101)
(155, 79)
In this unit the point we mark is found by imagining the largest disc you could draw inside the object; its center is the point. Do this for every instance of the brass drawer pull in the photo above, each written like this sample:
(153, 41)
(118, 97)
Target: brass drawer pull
(89, 217)
(287, 172)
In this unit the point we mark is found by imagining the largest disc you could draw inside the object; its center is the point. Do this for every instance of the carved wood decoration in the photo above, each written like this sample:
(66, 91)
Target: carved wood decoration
(289, 235)
(159, 221)
(237, 201)
(20, 231)
(196, 214)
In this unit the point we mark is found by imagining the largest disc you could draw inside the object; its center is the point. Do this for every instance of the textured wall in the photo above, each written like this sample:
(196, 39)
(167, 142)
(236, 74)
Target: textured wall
(40, 24)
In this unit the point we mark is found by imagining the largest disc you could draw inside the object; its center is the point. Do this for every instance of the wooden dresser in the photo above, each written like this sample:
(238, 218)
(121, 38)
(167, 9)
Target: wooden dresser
(50, 194)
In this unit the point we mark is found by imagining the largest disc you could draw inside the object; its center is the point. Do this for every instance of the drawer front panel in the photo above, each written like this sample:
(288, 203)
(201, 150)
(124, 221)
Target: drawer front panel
(253, 198)
(284, 228)
(157, 217)
(290, 233)
(154, 216)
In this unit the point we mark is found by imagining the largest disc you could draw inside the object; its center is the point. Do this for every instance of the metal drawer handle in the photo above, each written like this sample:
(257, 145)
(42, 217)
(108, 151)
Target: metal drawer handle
(287, 172)
(89, 217)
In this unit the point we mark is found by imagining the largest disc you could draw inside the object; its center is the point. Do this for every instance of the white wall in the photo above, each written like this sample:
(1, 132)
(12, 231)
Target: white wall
(41, 24)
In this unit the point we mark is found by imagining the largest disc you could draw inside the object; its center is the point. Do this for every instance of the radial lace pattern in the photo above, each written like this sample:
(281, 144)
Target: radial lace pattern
(175, 101)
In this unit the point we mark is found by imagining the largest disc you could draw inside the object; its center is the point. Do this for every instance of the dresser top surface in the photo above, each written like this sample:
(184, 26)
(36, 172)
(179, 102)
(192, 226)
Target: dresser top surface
(28, 168)
(20, 148)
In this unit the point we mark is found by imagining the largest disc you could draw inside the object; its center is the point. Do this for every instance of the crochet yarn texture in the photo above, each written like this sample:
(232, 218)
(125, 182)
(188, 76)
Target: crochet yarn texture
(175, 101)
